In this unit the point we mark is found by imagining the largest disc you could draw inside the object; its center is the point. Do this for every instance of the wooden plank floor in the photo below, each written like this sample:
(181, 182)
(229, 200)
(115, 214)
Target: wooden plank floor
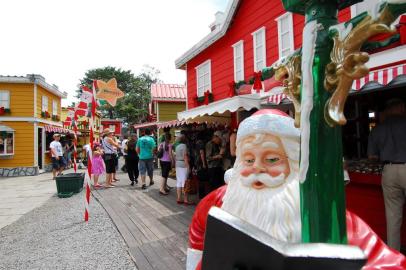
(154, 227)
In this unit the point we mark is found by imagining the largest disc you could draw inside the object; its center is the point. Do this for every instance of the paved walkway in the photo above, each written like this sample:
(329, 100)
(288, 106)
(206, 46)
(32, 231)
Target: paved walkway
(20, 195)
(154, 227)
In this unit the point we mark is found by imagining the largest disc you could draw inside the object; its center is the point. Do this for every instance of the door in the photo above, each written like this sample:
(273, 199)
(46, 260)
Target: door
(40, 149)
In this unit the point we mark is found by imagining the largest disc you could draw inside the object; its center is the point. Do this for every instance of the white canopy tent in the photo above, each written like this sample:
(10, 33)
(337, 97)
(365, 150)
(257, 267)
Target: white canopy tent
(221, 109)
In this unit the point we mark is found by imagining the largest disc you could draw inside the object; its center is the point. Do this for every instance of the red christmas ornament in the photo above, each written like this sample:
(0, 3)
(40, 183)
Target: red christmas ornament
(257, 81)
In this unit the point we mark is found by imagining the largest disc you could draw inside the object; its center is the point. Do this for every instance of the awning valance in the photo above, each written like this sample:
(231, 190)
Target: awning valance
(382, 76)
(173, 123)
(6, 128)
(58, 129)
(217, 108)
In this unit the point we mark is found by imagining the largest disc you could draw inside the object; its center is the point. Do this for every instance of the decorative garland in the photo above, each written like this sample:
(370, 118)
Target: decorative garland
(206, 98)
(265, 74)
(55, 117)
(4, 111)
(45, 114)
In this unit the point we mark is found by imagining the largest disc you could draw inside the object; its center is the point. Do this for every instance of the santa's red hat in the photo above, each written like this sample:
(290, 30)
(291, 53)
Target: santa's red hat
(268, 121)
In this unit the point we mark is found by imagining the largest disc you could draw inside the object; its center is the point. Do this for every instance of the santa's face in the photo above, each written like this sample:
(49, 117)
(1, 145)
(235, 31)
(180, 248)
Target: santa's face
(264, 164)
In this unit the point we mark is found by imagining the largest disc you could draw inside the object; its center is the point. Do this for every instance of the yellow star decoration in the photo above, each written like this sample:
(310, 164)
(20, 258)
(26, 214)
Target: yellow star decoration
(109, 91)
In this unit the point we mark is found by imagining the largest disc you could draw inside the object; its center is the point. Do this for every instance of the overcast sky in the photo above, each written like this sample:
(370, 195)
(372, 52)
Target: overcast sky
(61, 40)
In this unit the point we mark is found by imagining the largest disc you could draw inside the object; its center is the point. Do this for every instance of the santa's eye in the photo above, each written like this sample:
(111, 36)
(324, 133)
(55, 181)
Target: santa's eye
(272, 160)
(250, 161)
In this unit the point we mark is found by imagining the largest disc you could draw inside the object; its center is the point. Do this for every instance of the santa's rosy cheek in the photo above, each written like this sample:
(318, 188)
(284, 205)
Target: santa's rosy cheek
(276, 170)
(247, 171)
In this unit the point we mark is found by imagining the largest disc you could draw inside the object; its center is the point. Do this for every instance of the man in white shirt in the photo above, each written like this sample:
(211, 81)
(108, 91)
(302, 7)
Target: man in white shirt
(124, 151)
(58, 162)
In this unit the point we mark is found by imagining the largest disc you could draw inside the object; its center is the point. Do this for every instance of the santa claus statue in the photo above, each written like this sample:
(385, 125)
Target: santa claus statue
(263, 190)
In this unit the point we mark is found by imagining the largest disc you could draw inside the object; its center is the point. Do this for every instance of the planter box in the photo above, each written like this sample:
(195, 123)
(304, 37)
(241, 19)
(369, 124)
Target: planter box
(68, 184)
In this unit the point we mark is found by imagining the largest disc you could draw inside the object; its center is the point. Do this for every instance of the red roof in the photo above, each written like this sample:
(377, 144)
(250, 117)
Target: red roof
(168, 92)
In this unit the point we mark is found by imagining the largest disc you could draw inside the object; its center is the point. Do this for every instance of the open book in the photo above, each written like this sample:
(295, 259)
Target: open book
(233, 244)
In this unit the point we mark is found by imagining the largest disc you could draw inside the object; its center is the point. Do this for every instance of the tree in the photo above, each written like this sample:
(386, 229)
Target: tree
(133, 107)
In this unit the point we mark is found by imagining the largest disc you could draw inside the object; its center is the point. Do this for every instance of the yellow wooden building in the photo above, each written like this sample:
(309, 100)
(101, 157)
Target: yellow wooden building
(83, 126)
(166, 101)
(28, 107)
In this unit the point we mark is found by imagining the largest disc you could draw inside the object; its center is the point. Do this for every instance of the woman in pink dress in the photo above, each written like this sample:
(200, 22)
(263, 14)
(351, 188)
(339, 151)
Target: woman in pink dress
(97, 165)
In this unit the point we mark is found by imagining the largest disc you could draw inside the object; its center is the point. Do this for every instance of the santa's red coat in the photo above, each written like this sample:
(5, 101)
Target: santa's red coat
(380, 256)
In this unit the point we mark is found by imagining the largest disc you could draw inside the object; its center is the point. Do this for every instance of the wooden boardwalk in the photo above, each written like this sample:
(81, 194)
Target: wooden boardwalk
(154, 227)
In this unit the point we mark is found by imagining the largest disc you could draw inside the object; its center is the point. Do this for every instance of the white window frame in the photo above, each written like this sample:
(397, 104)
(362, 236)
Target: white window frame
(54, 107)
(290, 31)
(198, 68)
(44, 104)
(235, 48)
(8, 101)
(5, 145)
(112, 127)
(260, 31)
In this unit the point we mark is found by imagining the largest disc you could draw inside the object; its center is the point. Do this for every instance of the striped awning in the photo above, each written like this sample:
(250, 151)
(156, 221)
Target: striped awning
(277, 98)
(382, 76)
(57, 129)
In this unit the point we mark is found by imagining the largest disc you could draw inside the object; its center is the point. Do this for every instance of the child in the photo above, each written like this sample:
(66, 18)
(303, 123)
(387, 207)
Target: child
(97, 165)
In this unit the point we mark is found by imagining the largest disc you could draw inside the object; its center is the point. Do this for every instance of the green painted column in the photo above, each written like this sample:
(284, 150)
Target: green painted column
(322, 190)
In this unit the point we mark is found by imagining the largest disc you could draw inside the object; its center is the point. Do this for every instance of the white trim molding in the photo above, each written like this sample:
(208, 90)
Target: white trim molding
(238, 48)
(198, 69)
(210, 38)
(35, 98)
(261, 33)
(29, 119)
(386, 57)
(285, 51)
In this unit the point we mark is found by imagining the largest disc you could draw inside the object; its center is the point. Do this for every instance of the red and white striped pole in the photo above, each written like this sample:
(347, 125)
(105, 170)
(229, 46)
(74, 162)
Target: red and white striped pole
(75, 142)
(92, 106)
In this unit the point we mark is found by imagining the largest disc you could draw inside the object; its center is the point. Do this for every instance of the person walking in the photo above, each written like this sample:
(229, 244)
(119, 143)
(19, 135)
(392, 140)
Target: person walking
(124, 152)
(98, 167)
(182, 170)
(131, 159)
(214, 155)
(166, 162)
(387, 143)
(58, 162)
(110, 153)
(145, 148)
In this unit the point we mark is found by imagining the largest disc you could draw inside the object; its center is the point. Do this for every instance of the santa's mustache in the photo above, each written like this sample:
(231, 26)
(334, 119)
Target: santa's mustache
(264, 178)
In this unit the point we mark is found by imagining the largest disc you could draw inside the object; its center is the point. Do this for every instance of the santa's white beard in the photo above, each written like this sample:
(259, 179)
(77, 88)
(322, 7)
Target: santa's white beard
(273, 210)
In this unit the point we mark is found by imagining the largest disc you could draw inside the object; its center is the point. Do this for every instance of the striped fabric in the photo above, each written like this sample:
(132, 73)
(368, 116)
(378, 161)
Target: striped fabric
(381, 76)
(277, 99)
(57, 129)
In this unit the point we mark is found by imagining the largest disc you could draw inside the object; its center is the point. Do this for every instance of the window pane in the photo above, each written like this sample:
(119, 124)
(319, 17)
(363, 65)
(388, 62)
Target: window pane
(260, 65)
(238, 64)
(285, 53)
(285, 41)
(285, 24)
(4, 104)
(259, 39)
(9, 143)
(259, 53)
(238, 76)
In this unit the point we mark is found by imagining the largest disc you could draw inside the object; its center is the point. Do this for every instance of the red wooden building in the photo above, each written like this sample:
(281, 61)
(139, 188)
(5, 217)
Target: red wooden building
(113, 124)
(251, 35)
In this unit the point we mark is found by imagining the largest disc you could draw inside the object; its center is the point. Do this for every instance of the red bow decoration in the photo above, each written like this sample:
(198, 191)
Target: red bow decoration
(206, 97)
(257, 81)
(2, 110)
(231, 91)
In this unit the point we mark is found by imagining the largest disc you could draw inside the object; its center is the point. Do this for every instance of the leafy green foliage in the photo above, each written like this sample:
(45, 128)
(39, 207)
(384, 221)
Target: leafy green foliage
(133, 107)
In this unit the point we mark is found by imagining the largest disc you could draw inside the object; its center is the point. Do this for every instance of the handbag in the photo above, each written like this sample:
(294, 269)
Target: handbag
(160, 153)
(191, 185)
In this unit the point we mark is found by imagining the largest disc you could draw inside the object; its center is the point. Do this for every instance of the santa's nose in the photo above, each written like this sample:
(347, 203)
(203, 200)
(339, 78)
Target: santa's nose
(258, 168)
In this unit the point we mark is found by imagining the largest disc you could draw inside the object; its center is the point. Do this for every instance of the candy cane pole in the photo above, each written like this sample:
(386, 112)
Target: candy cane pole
(75, 143)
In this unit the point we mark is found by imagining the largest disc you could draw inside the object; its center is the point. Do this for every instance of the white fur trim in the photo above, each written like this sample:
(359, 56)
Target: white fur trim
(308, 51)
(228, 175)
(281, 126)
(193, 258)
